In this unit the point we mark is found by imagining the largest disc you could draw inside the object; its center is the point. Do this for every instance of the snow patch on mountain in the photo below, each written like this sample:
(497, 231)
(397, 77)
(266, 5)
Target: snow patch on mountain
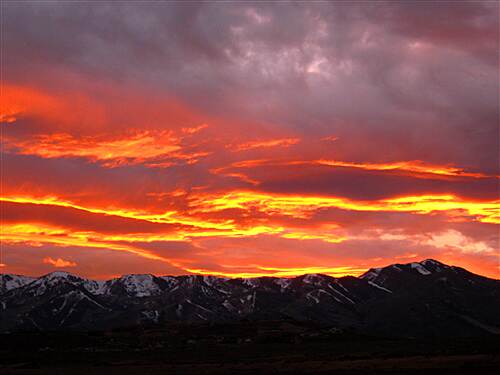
(341, 294)
(96, 287)
(425, 267)
(421, 269)
(9, 282)
(283, 283)
(140, 285)
(228, 305)
(379, 287)
(310, 296)
(372, 274)
(251, 282)
(199, 306)
(213, 280)
(316, 279)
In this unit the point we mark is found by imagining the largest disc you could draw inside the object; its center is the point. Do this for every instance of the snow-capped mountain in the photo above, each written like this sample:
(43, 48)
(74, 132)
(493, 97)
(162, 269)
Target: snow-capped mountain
(425, 267)
(424, 298)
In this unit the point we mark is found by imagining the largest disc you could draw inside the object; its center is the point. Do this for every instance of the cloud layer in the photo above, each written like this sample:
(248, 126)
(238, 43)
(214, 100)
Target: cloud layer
(247, 139)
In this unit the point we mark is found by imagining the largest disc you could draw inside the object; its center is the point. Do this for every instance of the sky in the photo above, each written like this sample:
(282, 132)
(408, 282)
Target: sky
(244, 139)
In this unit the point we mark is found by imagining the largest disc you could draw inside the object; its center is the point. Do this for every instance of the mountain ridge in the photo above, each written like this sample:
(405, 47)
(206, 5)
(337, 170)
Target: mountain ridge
(426, 298)
(370, 270)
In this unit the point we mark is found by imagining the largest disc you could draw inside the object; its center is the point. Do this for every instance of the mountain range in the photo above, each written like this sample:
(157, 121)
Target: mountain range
(420, 299)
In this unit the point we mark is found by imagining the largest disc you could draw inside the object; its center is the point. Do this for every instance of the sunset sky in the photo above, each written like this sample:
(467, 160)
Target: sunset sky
(248, 139)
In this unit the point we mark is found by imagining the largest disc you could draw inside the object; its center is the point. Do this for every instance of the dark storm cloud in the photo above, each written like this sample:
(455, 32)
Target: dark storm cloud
(419, 75)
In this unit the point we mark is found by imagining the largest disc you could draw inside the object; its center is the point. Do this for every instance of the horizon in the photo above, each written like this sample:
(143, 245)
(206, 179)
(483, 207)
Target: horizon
(248, 139)
(112, 277)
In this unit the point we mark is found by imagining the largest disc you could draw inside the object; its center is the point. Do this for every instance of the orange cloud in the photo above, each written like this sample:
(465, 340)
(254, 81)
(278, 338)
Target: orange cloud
(59, 262)
(224, 171)
(195, 129)
(139, 146)
(331, 138)
(8, 116)
(285, 142)
(313, 235)
(146, 147)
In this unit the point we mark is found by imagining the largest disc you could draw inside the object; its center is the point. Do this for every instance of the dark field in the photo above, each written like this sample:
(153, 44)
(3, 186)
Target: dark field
(246, 348)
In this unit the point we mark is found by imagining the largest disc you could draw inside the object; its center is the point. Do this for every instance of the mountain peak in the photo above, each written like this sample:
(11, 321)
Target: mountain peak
(431, 261)
(58, 275)
(433, 264)
(425, 267)
(314, 278)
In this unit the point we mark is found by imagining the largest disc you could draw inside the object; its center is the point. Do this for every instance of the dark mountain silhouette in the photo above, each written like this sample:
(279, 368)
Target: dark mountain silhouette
(425, 299)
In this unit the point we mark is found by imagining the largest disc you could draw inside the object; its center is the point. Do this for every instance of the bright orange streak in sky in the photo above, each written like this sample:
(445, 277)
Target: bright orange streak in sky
(415, 166)
(288, 205)
(38, 233)
(169, 217)
(190, 227)
(325, 232)
(304, 206)
(410, 166)
(283, 272)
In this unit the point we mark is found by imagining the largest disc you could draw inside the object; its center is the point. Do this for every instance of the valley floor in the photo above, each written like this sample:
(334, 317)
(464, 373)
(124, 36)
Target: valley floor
(248, 348)
(443, 365)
